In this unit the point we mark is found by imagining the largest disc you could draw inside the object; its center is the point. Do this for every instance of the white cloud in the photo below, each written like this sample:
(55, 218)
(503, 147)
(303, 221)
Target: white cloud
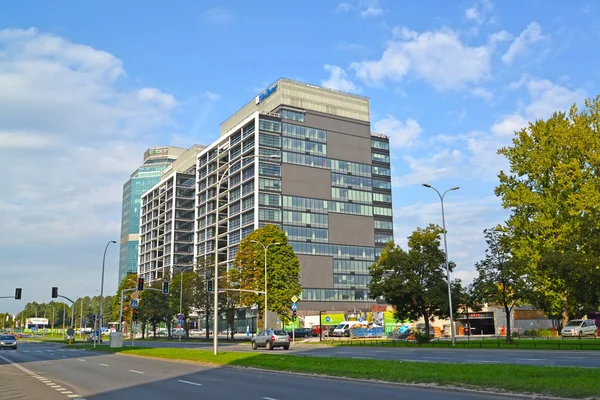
(438, 57)
(218, 16)
(70, 135)
(482, 93)
(366, 8)
(445, 163)
(509, 124)
(212, 95)
(401, 134)
(344, 6)
(498, 37)
(338, 80)
(531, 35)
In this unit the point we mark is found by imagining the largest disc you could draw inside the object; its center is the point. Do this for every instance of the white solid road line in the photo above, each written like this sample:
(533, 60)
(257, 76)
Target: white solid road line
(189, 383)
(363, 358)
(104, 365)
(136, 372)
(268, 398)
(80, 359)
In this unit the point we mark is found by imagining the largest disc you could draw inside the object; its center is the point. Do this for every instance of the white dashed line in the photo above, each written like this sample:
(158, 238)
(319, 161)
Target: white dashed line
(190, 383)
(135, 372)
(80, 359)
(269, 398)
(104, 365)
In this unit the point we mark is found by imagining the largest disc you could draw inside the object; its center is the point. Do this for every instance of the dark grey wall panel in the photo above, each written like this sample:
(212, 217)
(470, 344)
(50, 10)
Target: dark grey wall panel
(303, 181)
(351, 229)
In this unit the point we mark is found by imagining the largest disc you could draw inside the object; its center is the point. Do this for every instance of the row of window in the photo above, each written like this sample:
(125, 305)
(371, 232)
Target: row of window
(270, 200)
(270, 169)
(351, 180)
(304, 146)
(352, 195)
(383, 238)
(346, 167)
(383, 211)
(302, 233)
(347, 266)
(318, 205)
(351, 280)
(378, 144)
(270, 184)
(382, 158)
(387, 225)
(334, 250)
(269, 125)
(303, 132)
(381, 171)
(303, 218)
(292, 115)
(382, 197)
(335, 295)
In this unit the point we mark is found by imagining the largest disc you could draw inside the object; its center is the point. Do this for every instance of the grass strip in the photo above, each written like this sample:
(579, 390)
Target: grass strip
(526, 344)
(556, 381)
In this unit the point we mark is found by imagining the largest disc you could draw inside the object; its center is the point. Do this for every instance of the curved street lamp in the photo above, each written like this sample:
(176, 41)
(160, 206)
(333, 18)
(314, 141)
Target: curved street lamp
(102, 283)
(441, 196)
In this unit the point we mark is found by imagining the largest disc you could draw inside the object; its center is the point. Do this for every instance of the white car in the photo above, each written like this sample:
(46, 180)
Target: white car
(580, 328)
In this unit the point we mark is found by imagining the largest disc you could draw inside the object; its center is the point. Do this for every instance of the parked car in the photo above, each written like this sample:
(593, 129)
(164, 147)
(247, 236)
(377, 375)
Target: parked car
(580, 328)
(271, 338)
(93, 338)
(316, 330)
(8, 342)
(301, 333)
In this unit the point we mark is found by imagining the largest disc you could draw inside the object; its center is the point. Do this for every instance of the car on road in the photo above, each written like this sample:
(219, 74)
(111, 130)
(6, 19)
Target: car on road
(8, 342)
(271, 338)
(300, 333)
(580, 328)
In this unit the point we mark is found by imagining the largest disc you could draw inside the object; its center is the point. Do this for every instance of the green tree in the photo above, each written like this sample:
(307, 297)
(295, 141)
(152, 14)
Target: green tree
(469, 300)
(553, 192)
(283, 271)
(414, 281)
(128, 282)
(154, 307)
(192, 295)
(502, 279)
(204, 268)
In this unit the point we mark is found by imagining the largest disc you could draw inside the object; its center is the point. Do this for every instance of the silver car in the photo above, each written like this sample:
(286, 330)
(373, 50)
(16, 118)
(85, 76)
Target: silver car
(8, 342)
(270, 338)
(580, 328)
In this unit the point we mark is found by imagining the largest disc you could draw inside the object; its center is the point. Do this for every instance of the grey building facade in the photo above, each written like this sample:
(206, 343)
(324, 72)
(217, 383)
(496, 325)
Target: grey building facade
(329, 190)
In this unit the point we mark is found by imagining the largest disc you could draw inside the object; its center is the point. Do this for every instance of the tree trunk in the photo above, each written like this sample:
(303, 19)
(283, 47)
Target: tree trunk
(207, 320)
(154, 329)
(143, 329)
(426, 318)
(508, 332)
(169, 333)
(565, 310)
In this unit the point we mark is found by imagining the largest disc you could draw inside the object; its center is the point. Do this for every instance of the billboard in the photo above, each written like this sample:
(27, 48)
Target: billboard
(36, 321)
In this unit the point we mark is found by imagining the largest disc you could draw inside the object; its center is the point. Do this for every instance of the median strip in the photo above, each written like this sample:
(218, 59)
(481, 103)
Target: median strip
(556, 381)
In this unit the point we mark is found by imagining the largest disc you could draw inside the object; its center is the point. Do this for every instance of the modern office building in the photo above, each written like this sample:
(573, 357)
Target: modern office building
(329, 190)
(147, 175)
(166, 241)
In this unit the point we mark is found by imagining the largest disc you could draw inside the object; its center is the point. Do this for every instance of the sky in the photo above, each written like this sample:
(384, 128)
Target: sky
(86, 87)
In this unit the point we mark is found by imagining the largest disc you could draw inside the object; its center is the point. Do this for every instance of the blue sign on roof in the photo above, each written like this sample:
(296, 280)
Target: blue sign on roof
(266, 94)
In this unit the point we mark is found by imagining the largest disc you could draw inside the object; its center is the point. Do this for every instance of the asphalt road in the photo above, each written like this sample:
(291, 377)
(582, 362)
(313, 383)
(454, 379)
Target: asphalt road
(555, 358)
(62, 373)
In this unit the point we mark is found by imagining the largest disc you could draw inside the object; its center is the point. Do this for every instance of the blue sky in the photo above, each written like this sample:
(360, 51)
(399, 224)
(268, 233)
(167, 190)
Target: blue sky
(86, 87)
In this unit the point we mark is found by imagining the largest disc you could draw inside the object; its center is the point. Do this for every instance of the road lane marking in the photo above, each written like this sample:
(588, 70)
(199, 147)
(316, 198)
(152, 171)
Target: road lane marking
(531, 359)
(67, 392)
(189, 383)
(104, 365)
(363, 358)
(72, 396)
(136, 372)
(268, 398)
(80, 359)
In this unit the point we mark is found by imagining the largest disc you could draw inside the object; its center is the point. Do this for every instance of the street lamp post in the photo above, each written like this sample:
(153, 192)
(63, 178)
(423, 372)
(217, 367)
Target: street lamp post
(265, 248)
(216, 277)
(181, 271)
(441, 196)
(102, 283)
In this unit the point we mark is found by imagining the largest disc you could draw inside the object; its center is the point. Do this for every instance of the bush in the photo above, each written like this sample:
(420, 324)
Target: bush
(422, 338)
(515, 334)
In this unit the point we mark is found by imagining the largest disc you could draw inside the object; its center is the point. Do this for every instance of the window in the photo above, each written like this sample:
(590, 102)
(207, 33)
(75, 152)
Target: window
(292, 115)
(235, 152)
(382, 158)
(347, 266)
(335, 250)
(303, 233)
(343, 280)
(270, 169)
(387, 225)
(247, 218)
(248, 173)
(381, 171)
(383, 238)
(379, 184)
(382, 211)
(234, 208)
(378, 144)
(248, 130)
(303, 159)
(269, 125)
(248, 188)
(382, 197)
(269, 215)
(234, 194)
(235, 139)
(303, 132)
(302, 218)
(318, 205)
(336, 295)
(270, 184)
(269, 140)
(351, 167)
(350, 180)
(304, 146)
(348, 208)
(271, 200)
(247, 230)
(247, 203)
(234, 180)
(234, 237)
(248, 144)
(269, 152)
(234, 223)
(354, 195)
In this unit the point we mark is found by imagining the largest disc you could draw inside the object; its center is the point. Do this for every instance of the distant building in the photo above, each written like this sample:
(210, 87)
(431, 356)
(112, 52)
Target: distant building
(166, 241)
(147, 175)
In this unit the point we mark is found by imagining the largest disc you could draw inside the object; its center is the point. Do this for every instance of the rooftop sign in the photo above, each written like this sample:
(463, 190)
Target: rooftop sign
(265, 94)
(159, 150)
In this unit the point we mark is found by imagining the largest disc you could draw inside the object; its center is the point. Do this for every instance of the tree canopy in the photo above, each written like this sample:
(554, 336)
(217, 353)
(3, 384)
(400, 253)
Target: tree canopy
(553, 192)
(414, 281)
(283, 271)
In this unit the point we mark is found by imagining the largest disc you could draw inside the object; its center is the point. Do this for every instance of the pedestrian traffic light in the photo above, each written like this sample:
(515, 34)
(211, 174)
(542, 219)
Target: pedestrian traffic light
(140, 284)
(209, 285)
(294, 315)
(54, 292)
(18, 293)
(135, 316)
(165, 287)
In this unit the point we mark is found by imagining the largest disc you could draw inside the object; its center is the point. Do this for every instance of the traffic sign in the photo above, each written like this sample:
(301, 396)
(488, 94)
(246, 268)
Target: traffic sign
(294, 306)
(294, 299)
(134, 304)
(327, 319)
(134, 295)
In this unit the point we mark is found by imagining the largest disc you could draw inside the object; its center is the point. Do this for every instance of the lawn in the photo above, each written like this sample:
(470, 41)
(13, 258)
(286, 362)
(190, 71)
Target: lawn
(557, 381)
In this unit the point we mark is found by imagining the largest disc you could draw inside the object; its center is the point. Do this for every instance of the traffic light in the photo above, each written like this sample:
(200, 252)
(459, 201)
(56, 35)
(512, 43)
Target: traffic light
(209, 285)
(18, 293)
(140, 284)
(294, 315)
(54, 292)
(135, 311)
(165, 287)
